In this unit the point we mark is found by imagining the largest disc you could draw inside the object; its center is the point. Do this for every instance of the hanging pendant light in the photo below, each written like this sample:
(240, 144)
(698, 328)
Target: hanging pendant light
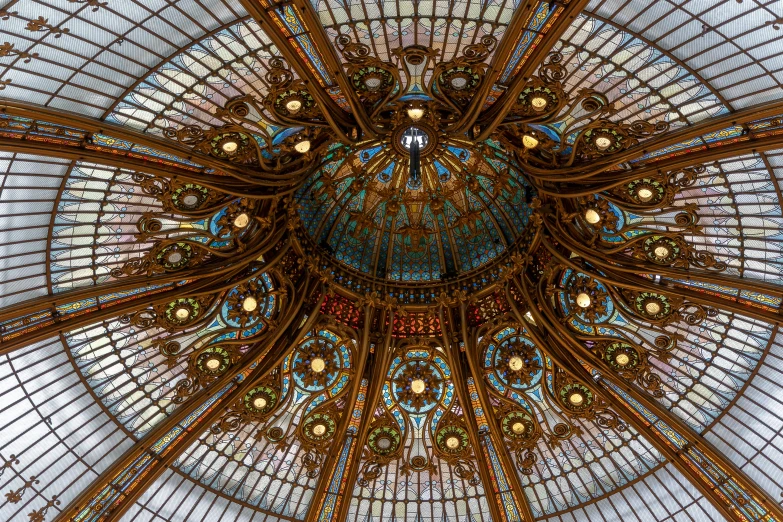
(415, 162)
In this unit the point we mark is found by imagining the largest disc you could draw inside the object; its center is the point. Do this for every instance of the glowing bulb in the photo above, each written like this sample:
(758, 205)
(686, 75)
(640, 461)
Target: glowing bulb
(384, 443)
(603, 143)
(230, 146)
(529, 141)
(259, 403)
(293, 106)
(583, 300)
(459, 83)
(653, 307)
(576, 399)
(372, 84)
(415, 113)
(452, 443)
(241, 220)
(622, 359)
(644, 194)
(319, 429)
(538, 103)
(318, 365)
(302, 146)
(661, 252)
(418, 386)
(212, 363)
(516, 363)
(592, 217)
(191, 200)
(249, 304)
(182, 313)
(518, 428)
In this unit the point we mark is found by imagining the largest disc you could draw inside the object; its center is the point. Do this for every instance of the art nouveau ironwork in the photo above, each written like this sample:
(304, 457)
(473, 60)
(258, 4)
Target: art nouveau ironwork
(312, 261)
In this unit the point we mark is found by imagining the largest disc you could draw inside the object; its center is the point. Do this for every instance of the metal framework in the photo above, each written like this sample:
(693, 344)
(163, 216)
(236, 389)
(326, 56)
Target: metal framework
(322, 262)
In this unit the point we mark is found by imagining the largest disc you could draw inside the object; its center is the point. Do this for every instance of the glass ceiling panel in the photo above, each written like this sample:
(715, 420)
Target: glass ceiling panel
(751, 431)
(731, 45)
(85, 55)
(54, 429)
(28, 196)
(175, 497)
(440, 24)
(644, 83)
(738, 203)
(663, 496)
(187, 89)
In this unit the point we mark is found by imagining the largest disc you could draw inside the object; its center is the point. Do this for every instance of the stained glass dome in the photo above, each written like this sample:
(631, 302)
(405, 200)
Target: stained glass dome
(423, 261)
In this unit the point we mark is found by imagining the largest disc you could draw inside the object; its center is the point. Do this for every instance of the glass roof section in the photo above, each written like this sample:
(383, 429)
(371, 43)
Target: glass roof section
(256, 330)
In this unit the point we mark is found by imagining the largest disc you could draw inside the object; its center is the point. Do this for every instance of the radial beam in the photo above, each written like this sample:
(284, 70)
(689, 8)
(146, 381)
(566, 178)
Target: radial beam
(562, 17)
(322, 505)
(613, 277)
(284, 24)
(318, 33)
(379, 366)
(343, 455)
(475, 402)
(43, 115)
(500, 58)
(617, 260)
(706, 468)
(599, 180)
(745, 138)
(52, 320)
(112, 493)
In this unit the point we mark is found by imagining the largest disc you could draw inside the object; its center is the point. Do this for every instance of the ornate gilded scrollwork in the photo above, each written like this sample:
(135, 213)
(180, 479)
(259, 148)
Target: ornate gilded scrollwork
(543, 97)
(453, 445)
(256, 406)
(454, 83)
(316, 433)
(578, 400)
(289, 101)
(376, 82)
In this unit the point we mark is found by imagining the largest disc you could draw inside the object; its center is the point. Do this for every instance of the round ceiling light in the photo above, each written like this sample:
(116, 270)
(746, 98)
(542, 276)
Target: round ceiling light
(418, 386)
(415, 113)
(230, 146)
(318, 365)
(592, 216)
(529, 141)
(516, 363)
(249, 304)
(539, 103)
(293, 106)
(241, 220)
(644, 194)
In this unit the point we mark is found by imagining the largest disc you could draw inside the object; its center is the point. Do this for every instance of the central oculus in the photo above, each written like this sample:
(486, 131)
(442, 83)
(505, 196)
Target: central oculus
(416, 134)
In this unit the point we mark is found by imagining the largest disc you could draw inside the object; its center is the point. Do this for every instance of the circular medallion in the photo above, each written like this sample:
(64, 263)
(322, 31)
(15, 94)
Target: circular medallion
(384, 440)
(518, 426)
(213, 361)
(403, 137)
(260, 400)
(652, 306)
(189, 197)
(576, 397)
(182, 311)
(319, 427)
(452, 439)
